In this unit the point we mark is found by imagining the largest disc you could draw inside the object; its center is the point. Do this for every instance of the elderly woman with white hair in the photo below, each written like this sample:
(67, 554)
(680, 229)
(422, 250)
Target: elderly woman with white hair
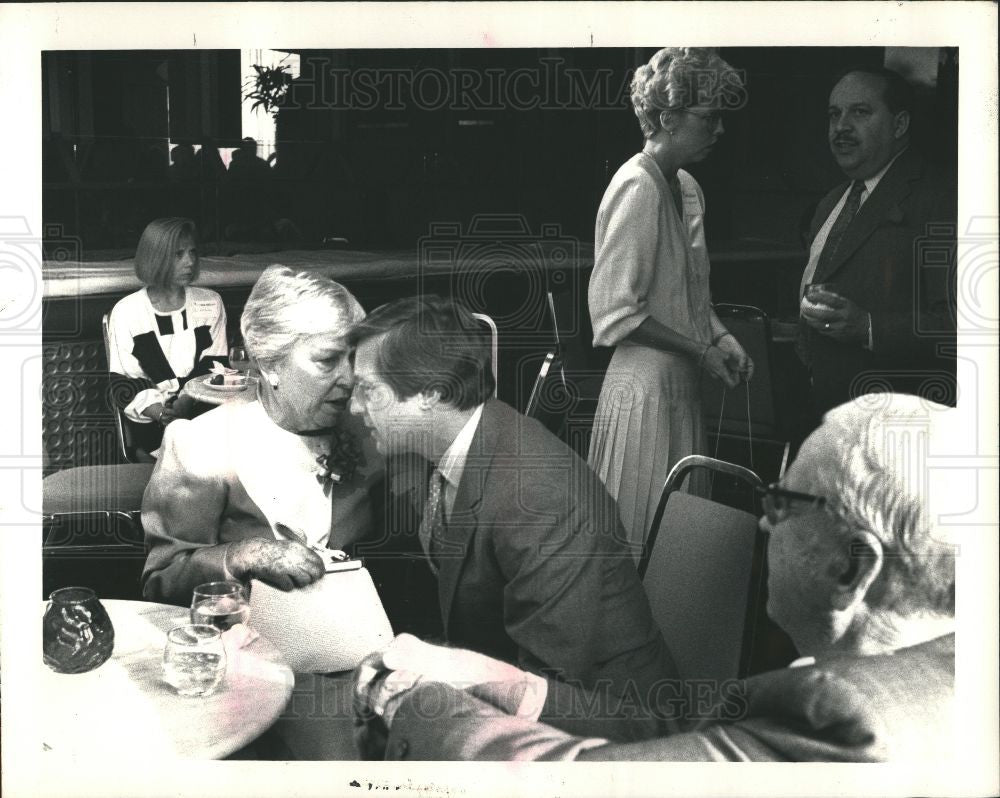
(248, 491)
(649, 291)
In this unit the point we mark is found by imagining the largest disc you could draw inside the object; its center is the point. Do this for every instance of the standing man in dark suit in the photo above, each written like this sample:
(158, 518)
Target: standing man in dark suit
(877, 302)
(862, 577)
(529, 557)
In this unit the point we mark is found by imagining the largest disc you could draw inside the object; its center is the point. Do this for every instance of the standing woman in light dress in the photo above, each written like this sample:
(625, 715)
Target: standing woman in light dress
(649, 292)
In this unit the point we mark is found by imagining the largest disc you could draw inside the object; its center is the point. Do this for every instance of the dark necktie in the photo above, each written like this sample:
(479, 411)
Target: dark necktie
(840, 226)
(433, 517)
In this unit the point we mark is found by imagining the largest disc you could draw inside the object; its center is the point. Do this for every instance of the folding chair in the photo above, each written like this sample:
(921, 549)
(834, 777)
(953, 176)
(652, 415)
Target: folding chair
(91, 529)
(701, 571)
(747, 417)
(494, 346)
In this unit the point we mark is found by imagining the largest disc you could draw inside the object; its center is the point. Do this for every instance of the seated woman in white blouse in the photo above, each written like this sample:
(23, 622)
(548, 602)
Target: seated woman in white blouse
(249, 491)
(166, 333)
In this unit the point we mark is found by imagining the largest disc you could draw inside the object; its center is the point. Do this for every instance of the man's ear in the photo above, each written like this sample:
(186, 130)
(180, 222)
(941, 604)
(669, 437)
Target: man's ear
(901, 124)
(428, 400)
(860, 567)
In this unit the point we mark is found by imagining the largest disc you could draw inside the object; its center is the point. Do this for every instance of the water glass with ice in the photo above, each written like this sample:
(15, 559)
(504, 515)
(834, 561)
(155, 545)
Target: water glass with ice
(220, 604)
(194, 659)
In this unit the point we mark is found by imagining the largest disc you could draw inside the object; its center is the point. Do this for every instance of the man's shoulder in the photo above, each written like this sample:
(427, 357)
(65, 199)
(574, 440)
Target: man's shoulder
(872, 707)
(514, 434)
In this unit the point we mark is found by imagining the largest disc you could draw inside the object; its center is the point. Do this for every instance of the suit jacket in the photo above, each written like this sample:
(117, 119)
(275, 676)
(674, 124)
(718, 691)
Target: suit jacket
(533, 567)
(887, 708)
(895, 261)
(201, 497)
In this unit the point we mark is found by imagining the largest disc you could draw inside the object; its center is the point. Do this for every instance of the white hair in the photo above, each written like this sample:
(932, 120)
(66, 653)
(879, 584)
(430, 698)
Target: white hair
(878, 478)
(681, 77)
(286, 306)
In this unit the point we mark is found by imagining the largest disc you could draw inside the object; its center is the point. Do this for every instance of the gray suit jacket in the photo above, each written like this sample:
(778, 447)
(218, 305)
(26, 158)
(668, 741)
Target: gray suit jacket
(894, 707)
(533, 564)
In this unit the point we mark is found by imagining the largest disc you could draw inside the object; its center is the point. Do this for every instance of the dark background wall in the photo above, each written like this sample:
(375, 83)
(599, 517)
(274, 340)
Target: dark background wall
(374, 145)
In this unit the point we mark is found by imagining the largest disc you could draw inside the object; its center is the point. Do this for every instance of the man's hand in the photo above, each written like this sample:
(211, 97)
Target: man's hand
(285, 564)
(383, 678)
(733, 351)
(836, 316)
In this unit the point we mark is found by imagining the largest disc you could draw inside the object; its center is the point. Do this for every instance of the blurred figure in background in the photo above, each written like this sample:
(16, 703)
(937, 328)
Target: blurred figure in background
(165, 333)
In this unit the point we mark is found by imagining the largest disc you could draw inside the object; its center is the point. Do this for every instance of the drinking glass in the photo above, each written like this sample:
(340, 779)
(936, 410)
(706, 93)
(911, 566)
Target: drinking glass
(220, 604)
(238, 358)
(194, 659)
(815, 292)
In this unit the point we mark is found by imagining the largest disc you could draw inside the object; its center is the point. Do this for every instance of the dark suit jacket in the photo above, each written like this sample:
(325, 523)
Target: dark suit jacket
(533, 564)
(895, 261)
(887, 708)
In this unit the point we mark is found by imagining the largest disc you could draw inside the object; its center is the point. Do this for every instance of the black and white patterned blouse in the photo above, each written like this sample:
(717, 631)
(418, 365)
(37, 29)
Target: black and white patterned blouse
(159, 352)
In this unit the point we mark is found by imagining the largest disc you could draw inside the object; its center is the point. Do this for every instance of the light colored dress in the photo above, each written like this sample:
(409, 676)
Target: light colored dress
(650, 260)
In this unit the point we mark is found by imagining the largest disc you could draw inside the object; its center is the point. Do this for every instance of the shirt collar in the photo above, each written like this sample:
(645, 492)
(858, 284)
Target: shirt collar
(452, 462)
(873, 181)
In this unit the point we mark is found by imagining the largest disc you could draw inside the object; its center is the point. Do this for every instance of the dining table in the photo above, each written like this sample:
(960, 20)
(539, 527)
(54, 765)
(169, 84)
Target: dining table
(124, 708)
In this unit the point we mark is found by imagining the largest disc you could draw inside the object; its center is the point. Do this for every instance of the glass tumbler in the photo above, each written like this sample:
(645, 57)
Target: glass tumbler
(194, 659)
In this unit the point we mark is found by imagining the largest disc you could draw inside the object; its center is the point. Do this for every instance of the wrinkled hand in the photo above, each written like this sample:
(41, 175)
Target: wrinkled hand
(383, 678)
(835, 316)
(732, 348)
(721, 365)
(284, 564)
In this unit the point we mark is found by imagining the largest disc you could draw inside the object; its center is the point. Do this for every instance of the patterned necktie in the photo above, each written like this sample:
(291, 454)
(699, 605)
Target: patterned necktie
(433, 518)
(840, 226)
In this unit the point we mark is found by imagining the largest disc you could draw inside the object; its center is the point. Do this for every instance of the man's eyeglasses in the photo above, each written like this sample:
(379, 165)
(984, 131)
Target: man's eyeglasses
(777, 502)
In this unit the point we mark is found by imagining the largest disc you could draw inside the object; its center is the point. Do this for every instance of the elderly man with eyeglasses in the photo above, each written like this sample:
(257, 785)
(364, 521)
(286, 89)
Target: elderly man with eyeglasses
(862, 577)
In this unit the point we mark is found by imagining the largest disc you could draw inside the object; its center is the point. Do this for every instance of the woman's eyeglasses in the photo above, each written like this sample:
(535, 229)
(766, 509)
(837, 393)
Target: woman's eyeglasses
(777, 502)
(711, 118)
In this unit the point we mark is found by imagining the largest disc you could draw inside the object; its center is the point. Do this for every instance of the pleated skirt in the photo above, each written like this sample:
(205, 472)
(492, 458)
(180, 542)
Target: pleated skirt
(649, 416)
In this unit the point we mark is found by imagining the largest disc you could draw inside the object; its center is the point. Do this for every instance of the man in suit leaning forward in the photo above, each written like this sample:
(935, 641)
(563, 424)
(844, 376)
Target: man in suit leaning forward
(880, 313)
(530, 560)
(862, 577)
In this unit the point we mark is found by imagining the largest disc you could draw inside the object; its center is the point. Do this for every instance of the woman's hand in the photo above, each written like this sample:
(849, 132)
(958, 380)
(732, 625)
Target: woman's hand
(720, 365)
(730, 346)
(160, 413)
(284, 564)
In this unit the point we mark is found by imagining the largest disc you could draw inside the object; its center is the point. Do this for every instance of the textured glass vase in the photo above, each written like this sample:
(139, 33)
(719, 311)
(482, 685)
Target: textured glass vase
(77, 635)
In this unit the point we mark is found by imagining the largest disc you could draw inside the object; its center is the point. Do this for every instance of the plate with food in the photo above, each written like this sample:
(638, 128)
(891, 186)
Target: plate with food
(228, 382)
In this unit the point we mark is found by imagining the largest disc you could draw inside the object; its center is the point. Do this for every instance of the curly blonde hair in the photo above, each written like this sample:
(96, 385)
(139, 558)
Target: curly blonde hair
(682, 77)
